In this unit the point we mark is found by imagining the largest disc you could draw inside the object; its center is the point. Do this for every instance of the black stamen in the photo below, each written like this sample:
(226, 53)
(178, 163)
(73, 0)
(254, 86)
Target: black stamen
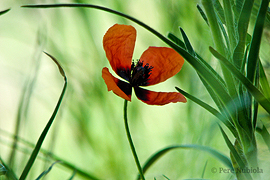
(140, 74)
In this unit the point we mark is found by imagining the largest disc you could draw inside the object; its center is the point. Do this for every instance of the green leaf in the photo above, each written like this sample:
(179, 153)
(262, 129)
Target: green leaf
(44, 173)
(4, 11)
(224, 159)
(35, 152)
(209, 109)
(253, 55)
(264, 102)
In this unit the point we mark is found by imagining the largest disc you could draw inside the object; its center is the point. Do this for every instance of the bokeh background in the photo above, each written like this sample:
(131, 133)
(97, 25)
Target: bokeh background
(88, 131)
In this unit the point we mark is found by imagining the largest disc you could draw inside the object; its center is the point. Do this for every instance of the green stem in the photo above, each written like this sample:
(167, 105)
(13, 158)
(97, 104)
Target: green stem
(131, 142)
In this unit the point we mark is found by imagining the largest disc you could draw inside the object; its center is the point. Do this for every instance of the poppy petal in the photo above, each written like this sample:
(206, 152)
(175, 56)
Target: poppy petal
(166, 62)
(118, 43)
(120, 88)
(158, 98)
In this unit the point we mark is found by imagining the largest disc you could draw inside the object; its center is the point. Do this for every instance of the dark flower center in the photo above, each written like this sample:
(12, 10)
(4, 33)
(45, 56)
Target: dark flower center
(140, 74)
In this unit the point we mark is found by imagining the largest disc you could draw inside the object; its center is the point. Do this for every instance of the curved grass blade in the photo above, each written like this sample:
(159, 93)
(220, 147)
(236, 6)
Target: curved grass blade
(73, 175)
(224, 159)
(210, 109)
(252, 61)
(264, 102)
(203, 70)
(44, 173)
(46, 129)
(4, 11)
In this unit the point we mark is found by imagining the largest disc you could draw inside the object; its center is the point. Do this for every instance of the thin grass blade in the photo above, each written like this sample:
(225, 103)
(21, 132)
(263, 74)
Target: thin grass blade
(46, 129)
(187, 43)
(204, 169)
(222, 158)
(44, 173)
(4, 11)
(73, 175)
(253, 55)
(202, 14)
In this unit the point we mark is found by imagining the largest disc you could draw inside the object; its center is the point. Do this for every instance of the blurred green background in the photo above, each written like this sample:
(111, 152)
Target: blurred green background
(88, 131)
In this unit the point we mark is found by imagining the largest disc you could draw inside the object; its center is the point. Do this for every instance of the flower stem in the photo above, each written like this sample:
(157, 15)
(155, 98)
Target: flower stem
(131, 142)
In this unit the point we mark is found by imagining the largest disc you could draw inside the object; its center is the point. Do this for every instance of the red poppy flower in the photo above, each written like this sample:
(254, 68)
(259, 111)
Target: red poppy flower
(156, 65)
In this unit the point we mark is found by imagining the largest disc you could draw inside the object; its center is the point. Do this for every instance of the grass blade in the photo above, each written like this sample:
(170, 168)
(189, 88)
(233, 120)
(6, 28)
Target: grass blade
(253, 55)
(44, 173)
(187, 43)
(4, 11)
(264, 102)
(46, 129)
(224, 159)
(202, 14)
